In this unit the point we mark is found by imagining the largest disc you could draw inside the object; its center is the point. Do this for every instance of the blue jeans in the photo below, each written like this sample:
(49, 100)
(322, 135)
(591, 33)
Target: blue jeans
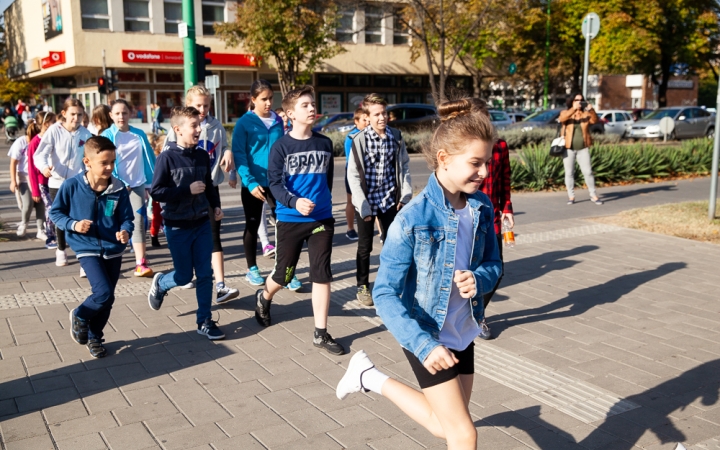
(191, 249)
(103, 276)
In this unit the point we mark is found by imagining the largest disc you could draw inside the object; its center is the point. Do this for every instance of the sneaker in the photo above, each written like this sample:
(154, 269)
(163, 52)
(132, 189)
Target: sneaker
(41, 235)
(156, 296)
(485, 333)
(268, 250)
(363, 296)
(226, 293)
(597, 201)
(142, 270)
(262, 314)
(78, 328)
(351, 382)
(190, 285)
(328, 343)
(155, 241)
(52, 245)
(253, 277)
(22, 227)
(82, 273)
(352, 235)
(571, 201)
(294, 284)
(60, 258)
(210, 329)
(96, 348)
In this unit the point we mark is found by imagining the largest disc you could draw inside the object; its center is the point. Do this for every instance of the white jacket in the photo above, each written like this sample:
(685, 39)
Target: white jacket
(63, 151)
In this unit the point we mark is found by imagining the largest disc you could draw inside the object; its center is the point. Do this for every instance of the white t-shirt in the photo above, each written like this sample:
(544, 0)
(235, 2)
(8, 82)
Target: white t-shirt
(460, 327)
(269, 121)
(92, 128)
(130, 164)
(18, 151)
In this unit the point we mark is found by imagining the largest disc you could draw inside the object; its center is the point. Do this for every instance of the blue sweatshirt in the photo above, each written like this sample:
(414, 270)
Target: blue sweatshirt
(251, 143)
(302, 169)
(110, 211)
(348, 143)
(176, 169)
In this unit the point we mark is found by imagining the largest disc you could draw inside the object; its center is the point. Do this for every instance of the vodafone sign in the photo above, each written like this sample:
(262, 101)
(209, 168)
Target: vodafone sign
(53, 59)
(156, 57)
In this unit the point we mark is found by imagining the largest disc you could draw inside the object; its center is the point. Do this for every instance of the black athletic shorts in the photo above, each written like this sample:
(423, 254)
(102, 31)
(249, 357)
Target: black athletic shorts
(347, 185)
(289, 240)
(466, 366)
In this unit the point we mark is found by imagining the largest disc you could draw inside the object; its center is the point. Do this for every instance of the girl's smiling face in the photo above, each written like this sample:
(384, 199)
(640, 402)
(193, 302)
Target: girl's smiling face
(465, 172)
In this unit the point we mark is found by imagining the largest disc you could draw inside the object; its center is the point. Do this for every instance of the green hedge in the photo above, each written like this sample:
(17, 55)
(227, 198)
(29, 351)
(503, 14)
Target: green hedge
(536, 170)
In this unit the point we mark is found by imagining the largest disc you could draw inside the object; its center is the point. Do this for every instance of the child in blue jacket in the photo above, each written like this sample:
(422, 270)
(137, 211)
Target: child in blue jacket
(93, 208)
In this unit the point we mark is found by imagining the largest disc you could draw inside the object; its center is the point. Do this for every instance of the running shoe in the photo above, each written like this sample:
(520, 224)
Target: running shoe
(210, 329)
(225, 293)
(352, 235)
(597, 201)
(364, 296)
(22, 228)
(328, 343)
(155, 295)
(60, 258)
(142, 269)
(97, 350)
(253, 276)
(41, 235)
(268, 250)
(78, 328)
(485, 333)
(190, 285)
(262, 313)
(155, 242)
(294, 284)
(52, 245)
(351, 382)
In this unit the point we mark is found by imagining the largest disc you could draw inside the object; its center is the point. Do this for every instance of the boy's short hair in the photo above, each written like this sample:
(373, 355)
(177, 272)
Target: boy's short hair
(358, 114)
(98, 144)
(291, 98)
(279, 110)
(196, 90)
(372, 99)
(180, 113)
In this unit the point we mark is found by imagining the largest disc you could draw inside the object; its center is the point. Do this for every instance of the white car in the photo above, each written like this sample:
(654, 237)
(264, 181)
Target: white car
(616, 122)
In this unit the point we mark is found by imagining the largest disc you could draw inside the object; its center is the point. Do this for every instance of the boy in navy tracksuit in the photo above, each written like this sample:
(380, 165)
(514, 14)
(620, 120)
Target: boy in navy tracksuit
(300, 174)
(183, 185)
(94, 210)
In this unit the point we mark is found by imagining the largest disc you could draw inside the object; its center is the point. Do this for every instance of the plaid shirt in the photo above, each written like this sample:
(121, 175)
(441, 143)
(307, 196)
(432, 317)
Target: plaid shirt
(497, 183)
(379, 159)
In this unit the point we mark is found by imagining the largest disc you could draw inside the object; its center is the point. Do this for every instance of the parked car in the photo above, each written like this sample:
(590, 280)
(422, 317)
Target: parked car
(326, 119)
(339, 126)
(411, 116)
(690, 122)
(640, 113)
(616, 122)
(549, 119)
(517, 116)
(500, 119)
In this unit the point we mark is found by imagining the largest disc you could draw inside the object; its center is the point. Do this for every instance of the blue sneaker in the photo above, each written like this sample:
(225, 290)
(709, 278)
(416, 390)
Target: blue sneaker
(253, 276)
(294, 284)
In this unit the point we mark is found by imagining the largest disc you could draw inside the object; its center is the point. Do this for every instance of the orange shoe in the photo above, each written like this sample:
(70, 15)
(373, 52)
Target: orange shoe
(142, 270)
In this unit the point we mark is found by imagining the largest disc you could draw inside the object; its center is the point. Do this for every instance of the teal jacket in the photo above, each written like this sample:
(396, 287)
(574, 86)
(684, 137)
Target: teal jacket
(148, 153)
(251, 143)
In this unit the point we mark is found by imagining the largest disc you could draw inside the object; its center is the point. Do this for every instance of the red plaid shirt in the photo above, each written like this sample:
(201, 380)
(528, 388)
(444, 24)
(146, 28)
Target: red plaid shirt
(497, 183)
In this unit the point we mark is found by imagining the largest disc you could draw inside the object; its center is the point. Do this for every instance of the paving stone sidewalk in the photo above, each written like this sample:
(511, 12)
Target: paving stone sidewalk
(607, 339)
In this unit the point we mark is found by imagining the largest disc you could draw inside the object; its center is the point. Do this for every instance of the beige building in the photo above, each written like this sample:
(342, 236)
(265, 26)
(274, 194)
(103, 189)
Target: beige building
(61, 45)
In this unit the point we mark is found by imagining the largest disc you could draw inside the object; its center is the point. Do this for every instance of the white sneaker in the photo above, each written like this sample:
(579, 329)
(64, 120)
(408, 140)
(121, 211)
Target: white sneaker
(190, 285)
(351, 382)
(60, 258)
(41, 235)
(82, 273)
(21, 229)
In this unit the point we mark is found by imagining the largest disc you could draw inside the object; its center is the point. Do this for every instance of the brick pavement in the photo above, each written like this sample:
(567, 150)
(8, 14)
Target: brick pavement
(591, 321)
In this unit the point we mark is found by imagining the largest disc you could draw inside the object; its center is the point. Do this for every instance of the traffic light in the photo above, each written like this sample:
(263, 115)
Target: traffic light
(201, 62)
(111, 80)
(102, 85)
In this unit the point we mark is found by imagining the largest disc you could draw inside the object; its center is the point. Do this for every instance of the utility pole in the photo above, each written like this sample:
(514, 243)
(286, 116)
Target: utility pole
(547, 58)
(714, 171)
(188, 16)
(104, 71)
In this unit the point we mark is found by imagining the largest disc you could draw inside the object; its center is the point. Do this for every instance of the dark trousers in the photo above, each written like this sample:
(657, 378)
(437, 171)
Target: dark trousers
(366, 231)
(61, 245)
(489, 295)
(103, 276)
(253, 213)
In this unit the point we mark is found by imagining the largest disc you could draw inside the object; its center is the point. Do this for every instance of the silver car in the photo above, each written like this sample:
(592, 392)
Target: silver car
(690, 122)
(616, 122)
(500, 119)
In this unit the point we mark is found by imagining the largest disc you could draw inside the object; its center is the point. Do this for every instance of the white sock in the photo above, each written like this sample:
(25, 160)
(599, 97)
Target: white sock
(373, 380)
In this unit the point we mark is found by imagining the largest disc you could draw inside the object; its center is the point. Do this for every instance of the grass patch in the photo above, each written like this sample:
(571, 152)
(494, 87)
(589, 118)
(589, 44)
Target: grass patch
(686, 220)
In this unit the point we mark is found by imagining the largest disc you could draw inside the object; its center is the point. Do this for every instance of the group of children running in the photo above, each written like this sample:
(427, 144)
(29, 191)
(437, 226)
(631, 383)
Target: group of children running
(440, 263)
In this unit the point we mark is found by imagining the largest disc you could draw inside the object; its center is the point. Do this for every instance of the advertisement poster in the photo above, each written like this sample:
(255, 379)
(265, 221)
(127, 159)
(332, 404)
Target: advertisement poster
(330, 103)
(52, 18)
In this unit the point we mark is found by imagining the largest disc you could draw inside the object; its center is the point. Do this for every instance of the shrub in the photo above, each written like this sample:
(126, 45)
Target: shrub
(517, 138)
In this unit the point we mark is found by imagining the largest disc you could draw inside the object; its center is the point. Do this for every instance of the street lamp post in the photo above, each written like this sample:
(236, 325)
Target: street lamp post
(547, 58)
(716, 157)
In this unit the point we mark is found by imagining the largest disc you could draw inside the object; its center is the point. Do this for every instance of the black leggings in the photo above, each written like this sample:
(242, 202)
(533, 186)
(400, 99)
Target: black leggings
(253, 212)
(489, 295)
(61, 245)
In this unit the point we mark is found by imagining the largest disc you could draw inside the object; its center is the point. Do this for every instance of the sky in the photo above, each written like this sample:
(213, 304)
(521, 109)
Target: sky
(4, 4)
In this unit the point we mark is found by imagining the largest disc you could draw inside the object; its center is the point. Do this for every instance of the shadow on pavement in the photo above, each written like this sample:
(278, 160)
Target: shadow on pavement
(621, 195)
(657, 404)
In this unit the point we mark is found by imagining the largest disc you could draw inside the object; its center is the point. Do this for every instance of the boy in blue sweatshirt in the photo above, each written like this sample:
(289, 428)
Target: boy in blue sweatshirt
(300, 173)
(93, 208)
(183, 185)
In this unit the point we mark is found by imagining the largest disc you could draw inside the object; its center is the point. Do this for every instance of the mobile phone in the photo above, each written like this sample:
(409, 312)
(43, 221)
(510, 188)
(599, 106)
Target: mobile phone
(583, 105)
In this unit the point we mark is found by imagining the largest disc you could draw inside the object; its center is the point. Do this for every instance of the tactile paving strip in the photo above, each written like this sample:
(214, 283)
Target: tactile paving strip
(545, 236)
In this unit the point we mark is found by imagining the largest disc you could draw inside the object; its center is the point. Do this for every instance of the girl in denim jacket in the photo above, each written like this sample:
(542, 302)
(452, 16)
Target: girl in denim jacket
(440, 257)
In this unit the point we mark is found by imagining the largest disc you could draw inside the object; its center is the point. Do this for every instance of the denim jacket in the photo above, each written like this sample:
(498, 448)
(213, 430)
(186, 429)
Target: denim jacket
(413, 284)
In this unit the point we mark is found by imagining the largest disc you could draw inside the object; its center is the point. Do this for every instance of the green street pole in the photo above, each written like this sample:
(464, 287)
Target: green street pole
(188, 16)
(547, 58)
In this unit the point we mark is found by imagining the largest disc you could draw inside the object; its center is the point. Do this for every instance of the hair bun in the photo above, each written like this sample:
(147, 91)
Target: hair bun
(456, 108)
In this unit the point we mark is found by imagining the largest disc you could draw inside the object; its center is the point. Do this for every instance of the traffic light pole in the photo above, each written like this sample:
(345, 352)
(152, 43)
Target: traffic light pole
(546, 88)
(188, 16)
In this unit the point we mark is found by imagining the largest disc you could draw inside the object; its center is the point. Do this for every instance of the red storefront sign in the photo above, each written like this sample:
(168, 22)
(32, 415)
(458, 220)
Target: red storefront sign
(217, 59)
(54, 59)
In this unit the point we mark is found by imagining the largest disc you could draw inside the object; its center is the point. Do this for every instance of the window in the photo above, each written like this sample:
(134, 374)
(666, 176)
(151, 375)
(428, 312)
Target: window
(95, 15)
(416, 113)
(401, 36)
(345, 31)
(358, 80)
(607, 116)
(385, 80)
(137, 15)
(132, 77)
(168, 77)
(373, 25)
(619, 117)
(412, 82)
(329, 79)
(173, 15)
(213, 11)
(409, 97)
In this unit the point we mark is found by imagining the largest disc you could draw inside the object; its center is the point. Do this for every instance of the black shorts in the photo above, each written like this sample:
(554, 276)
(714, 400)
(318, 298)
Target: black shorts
(347, 185)
(466, 366)
(289, 240)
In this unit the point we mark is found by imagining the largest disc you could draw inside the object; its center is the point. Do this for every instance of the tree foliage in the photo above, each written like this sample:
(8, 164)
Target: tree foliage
(10, 90)
(297, 34)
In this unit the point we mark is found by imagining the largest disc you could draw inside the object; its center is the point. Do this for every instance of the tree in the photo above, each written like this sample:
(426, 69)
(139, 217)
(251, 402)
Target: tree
(297, 34)
(13, 90)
